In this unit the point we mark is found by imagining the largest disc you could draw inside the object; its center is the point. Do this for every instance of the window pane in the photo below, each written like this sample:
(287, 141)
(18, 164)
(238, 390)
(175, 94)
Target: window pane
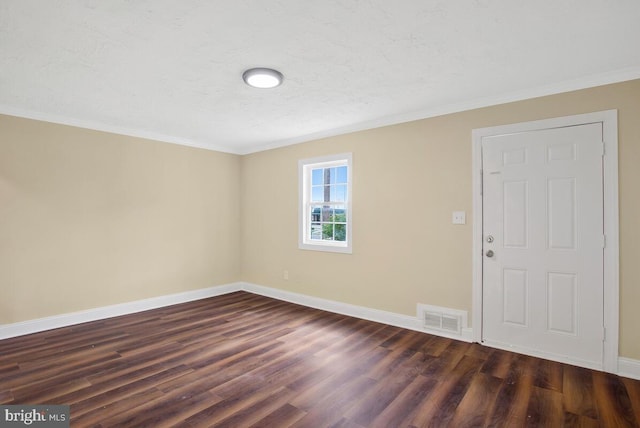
(340, 215)
(317, 193)
(316, 231)
(341, 174)
(339, 193)
(327, 193)
(316, 214)
(327, 214)
(326, 176)
(333, 175)
(340, 232)
(317, 176)
(327, 232)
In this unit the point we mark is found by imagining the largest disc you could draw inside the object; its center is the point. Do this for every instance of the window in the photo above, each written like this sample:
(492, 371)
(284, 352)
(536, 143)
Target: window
(325, 203)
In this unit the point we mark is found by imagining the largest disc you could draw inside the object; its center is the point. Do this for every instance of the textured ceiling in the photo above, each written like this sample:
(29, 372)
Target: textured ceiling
(171, 70)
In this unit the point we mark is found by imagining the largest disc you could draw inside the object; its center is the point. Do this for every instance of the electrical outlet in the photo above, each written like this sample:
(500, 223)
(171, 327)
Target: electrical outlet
(285, 275)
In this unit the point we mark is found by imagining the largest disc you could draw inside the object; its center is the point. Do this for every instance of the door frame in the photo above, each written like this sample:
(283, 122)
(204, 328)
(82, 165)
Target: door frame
(609, 120)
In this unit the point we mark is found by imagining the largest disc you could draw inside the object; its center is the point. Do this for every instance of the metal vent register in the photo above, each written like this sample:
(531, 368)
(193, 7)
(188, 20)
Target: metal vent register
(438, 321)
(438, 318)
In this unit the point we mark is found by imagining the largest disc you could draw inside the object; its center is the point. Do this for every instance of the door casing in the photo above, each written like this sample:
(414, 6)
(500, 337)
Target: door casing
(609, 120)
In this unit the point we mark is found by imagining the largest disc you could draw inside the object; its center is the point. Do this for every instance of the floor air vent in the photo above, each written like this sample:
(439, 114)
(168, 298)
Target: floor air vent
(447, 320)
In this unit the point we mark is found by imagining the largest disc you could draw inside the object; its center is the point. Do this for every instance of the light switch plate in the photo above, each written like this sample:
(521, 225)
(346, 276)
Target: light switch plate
(459, 217)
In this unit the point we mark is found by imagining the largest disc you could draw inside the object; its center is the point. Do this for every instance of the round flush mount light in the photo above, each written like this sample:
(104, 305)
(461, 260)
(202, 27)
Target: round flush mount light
(263, 78)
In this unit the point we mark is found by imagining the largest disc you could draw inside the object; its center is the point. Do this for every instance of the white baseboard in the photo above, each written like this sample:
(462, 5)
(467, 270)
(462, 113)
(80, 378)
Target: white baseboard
(65, 320)
(384, 317)
(628, 367)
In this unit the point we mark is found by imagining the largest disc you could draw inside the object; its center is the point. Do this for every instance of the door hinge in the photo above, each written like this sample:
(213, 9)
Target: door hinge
(604, 241)
(481, 182)
(603, 148)
(604, 334)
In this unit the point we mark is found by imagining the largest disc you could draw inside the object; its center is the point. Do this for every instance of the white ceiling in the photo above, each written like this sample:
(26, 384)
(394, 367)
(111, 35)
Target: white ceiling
(171, 69)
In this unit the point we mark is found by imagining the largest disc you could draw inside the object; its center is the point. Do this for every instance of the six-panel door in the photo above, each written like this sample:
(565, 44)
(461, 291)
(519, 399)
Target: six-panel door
(543, 213)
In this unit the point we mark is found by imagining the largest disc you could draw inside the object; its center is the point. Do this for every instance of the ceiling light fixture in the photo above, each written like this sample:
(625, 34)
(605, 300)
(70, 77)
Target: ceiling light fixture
(263, 78)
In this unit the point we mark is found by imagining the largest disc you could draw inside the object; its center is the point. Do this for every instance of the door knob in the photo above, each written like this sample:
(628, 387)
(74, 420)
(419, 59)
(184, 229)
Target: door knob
(489, 253)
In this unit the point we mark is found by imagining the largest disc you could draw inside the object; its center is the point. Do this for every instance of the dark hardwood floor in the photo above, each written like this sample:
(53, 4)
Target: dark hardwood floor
(242, 360)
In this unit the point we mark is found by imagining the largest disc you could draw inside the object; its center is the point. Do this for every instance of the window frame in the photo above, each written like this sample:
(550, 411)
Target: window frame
(305, 166)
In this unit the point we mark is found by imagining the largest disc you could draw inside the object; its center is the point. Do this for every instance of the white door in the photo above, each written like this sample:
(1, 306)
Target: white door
(542, 269)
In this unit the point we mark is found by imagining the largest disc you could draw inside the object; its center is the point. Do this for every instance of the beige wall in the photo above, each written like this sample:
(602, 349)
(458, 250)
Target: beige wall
(89, 219)
(407, 180)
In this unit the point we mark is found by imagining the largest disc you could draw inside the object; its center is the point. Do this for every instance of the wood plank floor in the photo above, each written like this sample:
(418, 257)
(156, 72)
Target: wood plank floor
(242, 360)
